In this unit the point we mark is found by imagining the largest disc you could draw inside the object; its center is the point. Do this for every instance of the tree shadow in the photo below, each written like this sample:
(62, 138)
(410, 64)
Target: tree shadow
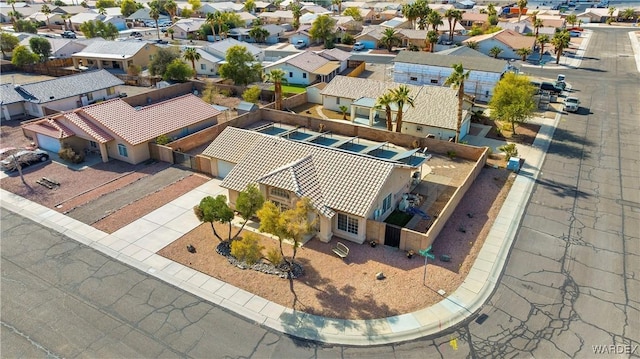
(562, 190)
(591, 69)
(569, 145)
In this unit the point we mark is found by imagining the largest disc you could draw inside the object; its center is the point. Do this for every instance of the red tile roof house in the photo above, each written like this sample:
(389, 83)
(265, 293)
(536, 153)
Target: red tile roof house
(116, 130)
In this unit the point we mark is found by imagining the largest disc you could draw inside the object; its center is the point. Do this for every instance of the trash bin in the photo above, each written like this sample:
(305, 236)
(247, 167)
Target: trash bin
(514, 164)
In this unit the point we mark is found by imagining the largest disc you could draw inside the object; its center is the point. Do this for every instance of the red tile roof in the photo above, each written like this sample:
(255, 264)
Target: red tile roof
(140, 125)
(50, 127)
(89, 127)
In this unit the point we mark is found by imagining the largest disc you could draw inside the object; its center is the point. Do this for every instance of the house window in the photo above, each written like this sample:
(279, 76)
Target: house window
(337, 100)
(122, 150)
(434, 81)
(418, 128)
(347, 223)
(90, 96)
(304, 75)
(282, 206)
(111, 91)
(279, 192)
(93, 144)
(203, 66)
(413, 78)
(386, 203)
(290, 74)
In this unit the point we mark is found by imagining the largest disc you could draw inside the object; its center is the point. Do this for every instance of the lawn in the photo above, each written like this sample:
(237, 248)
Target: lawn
(398, 218)
(291, 89)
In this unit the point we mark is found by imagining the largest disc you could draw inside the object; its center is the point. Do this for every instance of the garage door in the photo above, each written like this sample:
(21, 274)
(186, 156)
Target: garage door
(48, 143)
(369, 44)
(224, 168)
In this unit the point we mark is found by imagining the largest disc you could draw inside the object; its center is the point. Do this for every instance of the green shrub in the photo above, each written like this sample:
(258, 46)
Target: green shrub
(451, 154)
(348, 39)
(252, 94)
(510, 150)
(68, 154)
(247, 249)
(226, 93)
(274, 256)
(163, 140)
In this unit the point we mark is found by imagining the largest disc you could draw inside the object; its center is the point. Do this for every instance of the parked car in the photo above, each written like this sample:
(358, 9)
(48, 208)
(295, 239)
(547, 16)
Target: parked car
(571, 104)
(575, 33)
(358, 46)
(551, 87)
(135, 34)
(300, 44)
(68, 34)
(24, 158)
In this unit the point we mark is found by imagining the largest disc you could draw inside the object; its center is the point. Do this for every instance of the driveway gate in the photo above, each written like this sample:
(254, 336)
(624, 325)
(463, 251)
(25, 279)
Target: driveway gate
(184, 160)
(392, 235)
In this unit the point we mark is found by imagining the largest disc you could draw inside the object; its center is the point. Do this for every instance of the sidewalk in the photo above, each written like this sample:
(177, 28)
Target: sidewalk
(137, 243)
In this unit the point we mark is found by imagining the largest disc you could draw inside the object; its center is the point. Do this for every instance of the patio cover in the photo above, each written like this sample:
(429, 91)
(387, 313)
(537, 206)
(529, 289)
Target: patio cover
(327, 68)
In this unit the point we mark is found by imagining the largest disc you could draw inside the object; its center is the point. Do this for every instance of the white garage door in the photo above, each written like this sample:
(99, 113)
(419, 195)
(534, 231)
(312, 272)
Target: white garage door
(224, 168)
(48, 143)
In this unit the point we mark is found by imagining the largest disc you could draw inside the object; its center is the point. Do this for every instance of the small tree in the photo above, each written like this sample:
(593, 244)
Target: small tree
(41, 47)
(210, 92)
(495, 51)
(46, 11)
(192, 55)
(344, 110)
(524, 52)
(216, 209)
(354, 12)
(385, 100)
(277, 76)
(512, 100)
(134, 70)
(572, 19)
(292, 224)
(389, 38)
(23, 56)
(252, 94)
(401, 97)
(247, 249)
(163, 57)
(323, 28)
(241, 66)
(432, 39)
(25, 26)
(177, 70)
(8, 42)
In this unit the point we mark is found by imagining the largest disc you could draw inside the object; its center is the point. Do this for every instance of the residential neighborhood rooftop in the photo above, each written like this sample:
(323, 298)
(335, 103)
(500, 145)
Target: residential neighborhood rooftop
(479, 63)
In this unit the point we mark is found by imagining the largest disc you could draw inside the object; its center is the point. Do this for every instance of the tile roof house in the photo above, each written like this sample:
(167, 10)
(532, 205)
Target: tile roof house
(114, 55)
(306, 68)
(597, 15)
(344, 197)
(433, 69)
(116, 130)
(243, 33)
(277, 17)
(59, 94)
(471, 18)
(435, 112)
(508, 41)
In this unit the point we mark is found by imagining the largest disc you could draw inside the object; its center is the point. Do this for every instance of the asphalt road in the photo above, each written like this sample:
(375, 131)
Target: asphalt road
(571, 282)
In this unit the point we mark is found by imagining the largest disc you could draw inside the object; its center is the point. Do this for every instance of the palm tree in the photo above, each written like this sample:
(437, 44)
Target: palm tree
(627, 14)
(560, 41)
(422, 10)
(154, 13)
(277, 76)
(521, 5)
(250, 6)
(534, 16)
(296, 11)
(171, 7)
(46, 11)
(13, 12)
(339, 4)
(401, 97)
(322, 29)
(491, 9)
(495, 51)
(219, 19)
(344, 110)
(434, 19)
(211, 20)
(389, 38)
(410, 11)
(472, 45)
(102, 11)
(453, 16)
(537, 24)
(542, 40)
(170, 31)
(432, 39)
(572, 19)
(259, 34)
(611, 11)
(524, 52)
(385, 100)
(191, 54)
(456, 80)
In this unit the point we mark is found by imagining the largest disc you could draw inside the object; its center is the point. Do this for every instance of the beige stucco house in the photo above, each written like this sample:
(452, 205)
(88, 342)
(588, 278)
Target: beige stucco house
(115, 55)
(116, 130)
(344, 197)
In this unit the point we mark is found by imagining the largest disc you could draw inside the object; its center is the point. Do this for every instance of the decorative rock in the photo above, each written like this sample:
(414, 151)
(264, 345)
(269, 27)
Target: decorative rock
(380, 276)
(191, 248)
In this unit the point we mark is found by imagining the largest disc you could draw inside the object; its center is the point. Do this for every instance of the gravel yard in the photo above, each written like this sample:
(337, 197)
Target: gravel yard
(348, 289)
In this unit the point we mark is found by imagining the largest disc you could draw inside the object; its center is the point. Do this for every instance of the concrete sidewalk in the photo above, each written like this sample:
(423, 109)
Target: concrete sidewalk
(137, 243)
